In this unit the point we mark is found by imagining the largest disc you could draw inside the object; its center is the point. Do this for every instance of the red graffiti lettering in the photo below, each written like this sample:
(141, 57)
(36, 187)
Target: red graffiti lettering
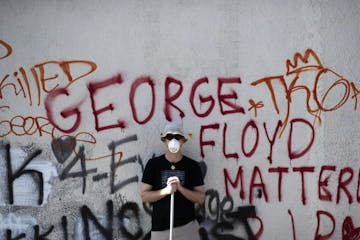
(256, 172)
(349, 232)
(253, 125)
(272, 141)
(202, 99)
(295, 154)
(280, 171)
(302, 171)
(66, 113)
(169, 99)
(227, 155)
(358, 188)
(343, 183)
(250, 137)
(292, 224)
(323, 184)
(134, 87)
(235, 183)
(93, 88)
(202, 141)
(324, 236)
(224, 98)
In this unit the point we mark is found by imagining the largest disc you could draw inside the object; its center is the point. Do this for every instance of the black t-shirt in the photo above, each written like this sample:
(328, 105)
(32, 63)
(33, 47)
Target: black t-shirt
(156, 173)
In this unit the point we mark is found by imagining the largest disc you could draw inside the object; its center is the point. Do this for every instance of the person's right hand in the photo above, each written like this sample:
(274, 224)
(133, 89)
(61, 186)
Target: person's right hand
(172, 184)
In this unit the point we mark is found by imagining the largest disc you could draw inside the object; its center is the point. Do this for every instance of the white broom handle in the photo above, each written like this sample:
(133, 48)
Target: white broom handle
(171, 215)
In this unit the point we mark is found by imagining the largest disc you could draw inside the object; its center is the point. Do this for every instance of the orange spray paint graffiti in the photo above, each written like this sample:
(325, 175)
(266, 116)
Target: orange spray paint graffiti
(44, 80)
(8, 50)
(316, 101)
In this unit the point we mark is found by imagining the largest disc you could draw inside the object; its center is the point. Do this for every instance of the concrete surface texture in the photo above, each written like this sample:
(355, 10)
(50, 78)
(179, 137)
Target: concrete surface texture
(268, 92)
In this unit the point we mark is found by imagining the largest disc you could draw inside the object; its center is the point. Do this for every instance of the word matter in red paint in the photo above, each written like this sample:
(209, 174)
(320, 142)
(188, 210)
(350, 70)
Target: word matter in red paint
(337, 192)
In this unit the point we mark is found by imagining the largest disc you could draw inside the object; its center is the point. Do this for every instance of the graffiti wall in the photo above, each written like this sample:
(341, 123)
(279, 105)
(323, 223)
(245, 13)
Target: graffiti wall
(268, 92)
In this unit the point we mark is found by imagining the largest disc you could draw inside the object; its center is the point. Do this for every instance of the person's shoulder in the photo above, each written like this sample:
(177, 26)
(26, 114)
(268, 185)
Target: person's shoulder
(156, 159)
(191, 161)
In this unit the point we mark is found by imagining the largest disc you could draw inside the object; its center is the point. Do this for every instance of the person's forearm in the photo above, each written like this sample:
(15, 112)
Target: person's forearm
(153, 196)
(192, 195)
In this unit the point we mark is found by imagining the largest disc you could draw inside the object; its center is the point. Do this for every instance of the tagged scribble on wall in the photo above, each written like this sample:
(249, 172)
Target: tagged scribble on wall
(322, 82)
(26, 180)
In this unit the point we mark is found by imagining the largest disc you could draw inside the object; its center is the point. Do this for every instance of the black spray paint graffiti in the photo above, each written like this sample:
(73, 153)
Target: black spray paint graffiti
(83, 173)
(12, 174)
(218, 218)
(222, 219)
(63, 148)
(127, 224)
(107, 231)
(36, 234)
(112, 146)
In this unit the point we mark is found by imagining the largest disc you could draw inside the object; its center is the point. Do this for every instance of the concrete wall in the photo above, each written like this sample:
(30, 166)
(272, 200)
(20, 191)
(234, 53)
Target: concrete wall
(268, 91)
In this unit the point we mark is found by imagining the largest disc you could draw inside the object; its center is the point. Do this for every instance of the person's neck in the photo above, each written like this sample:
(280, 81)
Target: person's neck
(173, 157)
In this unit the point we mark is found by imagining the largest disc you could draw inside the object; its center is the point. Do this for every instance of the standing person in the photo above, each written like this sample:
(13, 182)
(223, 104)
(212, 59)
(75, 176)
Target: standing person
(175, 173)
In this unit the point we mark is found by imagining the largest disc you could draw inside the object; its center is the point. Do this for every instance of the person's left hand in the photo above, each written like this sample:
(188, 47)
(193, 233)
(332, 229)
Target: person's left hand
(174, 182)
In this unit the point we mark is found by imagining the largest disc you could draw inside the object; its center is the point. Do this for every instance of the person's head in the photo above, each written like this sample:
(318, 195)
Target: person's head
(173, 136)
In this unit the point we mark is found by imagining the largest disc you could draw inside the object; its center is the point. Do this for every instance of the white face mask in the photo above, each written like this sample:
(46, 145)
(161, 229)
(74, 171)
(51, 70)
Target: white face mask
(174, 145)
